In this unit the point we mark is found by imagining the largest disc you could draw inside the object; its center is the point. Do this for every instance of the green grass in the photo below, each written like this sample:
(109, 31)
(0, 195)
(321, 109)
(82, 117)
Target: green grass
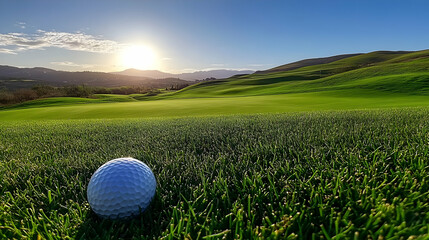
(356, 73)
(116, 97)
(330, 175)
(66, 101)
(50, 102)
(300, 102)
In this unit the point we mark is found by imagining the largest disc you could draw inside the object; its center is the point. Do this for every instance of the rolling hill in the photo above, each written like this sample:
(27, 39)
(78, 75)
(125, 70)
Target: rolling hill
(306, 63)
(382, 72)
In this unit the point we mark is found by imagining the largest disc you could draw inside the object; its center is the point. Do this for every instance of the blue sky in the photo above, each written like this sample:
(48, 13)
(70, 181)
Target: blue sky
(206, 34)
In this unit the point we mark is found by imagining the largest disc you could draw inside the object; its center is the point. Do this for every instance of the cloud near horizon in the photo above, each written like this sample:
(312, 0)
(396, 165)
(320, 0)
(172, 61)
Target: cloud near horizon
(72, 64)
(13, 43)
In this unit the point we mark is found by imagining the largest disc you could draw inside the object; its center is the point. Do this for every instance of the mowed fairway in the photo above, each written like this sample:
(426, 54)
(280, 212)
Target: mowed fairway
(318, 101)
(345, 174)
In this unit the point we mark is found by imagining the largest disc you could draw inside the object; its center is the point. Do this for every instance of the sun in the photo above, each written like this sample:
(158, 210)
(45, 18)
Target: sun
(139, 57)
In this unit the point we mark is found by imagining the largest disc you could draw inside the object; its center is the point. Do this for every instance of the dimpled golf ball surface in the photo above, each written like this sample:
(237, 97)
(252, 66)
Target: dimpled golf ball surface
(121, 188)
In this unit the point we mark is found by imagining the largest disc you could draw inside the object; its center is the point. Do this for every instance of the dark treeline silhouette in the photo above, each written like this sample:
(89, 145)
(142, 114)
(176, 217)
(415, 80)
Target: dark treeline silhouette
(46, 91)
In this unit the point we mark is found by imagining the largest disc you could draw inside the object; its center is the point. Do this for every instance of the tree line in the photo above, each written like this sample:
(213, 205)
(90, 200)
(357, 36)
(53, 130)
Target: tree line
(46, 91)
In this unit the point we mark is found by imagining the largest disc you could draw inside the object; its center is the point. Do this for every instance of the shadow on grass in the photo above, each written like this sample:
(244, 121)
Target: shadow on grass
(147, 225)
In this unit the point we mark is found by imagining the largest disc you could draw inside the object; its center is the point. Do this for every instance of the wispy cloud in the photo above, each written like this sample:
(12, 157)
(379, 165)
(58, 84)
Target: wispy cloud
(21, 25)
(18, 42)
(7, 51)
(72, 64)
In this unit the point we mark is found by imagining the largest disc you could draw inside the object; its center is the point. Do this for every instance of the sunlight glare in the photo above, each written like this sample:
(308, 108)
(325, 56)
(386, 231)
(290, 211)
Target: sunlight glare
(139, 57)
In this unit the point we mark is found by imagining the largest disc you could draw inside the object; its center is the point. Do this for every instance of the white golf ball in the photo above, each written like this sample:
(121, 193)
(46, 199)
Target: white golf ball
(121, 188)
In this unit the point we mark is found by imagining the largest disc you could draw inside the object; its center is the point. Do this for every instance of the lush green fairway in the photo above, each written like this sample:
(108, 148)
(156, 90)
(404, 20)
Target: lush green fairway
(358, 174)
(217, 106)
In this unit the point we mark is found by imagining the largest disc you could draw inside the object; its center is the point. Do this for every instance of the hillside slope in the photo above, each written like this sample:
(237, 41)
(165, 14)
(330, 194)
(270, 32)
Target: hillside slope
(306, 63)
(383, 71)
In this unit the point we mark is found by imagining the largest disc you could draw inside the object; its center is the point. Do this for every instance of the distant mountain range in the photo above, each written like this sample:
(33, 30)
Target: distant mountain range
(199, 75)
(15, 78)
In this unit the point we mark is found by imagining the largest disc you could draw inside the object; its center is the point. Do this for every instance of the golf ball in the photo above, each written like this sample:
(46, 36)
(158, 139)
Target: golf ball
(121, 188)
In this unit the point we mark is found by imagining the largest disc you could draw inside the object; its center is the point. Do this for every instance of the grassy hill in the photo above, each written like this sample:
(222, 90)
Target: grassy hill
(380, 79)
(306, 63)
(387, 72)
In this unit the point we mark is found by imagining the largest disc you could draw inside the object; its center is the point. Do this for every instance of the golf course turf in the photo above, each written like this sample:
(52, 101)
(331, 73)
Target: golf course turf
(333, 151)
(354, 174)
